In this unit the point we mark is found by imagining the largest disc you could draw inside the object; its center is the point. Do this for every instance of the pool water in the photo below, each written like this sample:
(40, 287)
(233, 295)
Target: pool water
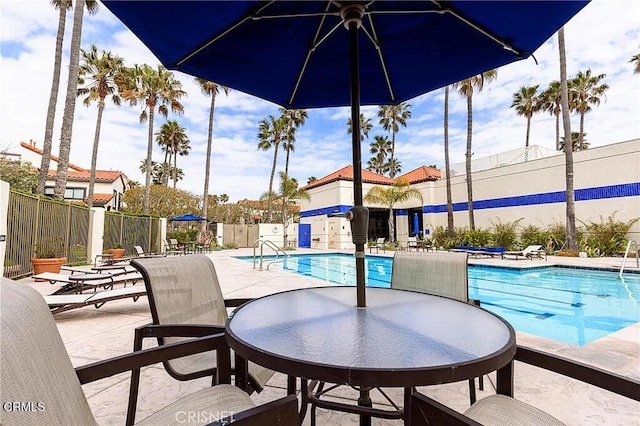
(575, 306)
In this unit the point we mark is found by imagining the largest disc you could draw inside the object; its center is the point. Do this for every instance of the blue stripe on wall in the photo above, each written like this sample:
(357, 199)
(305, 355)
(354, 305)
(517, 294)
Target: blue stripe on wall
(596, 193)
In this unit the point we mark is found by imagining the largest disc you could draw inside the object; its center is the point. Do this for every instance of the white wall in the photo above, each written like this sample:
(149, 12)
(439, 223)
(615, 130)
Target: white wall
(607, 165)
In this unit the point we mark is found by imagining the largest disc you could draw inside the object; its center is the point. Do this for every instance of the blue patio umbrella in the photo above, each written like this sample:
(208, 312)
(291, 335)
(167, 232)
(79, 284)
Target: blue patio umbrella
(416, 224)
(308, 54)
(187, 218)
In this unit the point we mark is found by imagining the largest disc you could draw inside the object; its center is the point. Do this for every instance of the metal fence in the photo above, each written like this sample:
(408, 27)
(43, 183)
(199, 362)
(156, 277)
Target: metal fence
(34, 222)
(128, 231)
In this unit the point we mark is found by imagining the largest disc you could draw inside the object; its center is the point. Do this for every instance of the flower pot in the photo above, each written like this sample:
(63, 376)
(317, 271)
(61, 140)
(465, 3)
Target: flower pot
(47, 265)
(116, 253)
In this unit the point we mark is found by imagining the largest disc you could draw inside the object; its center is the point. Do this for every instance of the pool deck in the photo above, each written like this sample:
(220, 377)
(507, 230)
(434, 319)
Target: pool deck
(91, 335)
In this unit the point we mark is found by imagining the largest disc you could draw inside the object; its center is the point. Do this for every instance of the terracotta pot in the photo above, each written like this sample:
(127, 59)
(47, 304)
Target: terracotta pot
(116, 253)
(47, 265)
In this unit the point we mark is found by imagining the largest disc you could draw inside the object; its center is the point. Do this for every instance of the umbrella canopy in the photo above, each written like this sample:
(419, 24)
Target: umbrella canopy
(187, 218)
(416, 224)
(306, 54)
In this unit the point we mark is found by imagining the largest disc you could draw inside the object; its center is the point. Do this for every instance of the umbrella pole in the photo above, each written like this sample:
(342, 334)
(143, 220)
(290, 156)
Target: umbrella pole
(356, 152)
(364, 399)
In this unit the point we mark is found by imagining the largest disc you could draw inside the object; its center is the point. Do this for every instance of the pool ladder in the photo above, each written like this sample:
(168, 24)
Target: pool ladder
(630, 244)
(272, 246)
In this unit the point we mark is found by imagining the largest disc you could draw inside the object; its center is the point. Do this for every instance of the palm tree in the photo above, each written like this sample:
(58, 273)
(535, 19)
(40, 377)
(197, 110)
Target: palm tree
(153, 88)
(636, 59)
(575, 142)
(63, 6)
(365, 127)
(585, 90)
(212, 89)
(98, 75)
(571, 237)
(526, 102)
(391, 118)
(289, 193)
(271, 132)
(295, 118)
(551, 100)
(380, 147)
(465, 89)
(70, 101)
(393, 166)
(400, 191)
(450, 227)
(174, 138)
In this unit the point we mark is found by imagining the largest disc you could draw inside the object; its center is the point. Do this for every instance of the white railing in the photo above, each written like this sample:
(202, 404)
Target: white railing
(270, 244)
(630, 244)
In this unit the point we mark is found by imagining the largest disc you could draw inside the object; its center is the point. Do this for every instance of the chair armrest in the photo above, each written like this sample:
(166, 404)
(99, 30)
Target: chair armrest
(178, 330)
(585, 373)
(138, 359)
(281, 412)
(234, 303)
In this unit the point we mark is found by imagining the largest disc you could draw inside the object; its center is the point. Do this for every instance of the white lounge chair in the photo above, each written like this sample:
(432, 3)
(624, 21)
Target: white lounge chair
(378, 245)
(528, 252)
(64, 302)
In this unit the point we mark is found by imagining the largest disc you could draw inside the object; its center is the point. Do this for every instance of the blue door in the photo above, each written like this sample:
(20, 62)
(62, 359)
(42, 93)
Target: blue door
(304, 235)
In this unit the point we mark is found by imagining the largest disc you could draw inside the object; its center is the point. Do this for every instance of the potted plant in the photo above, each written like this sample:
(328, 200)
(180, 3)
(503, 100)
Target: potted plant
(49, 256)
(116, 251)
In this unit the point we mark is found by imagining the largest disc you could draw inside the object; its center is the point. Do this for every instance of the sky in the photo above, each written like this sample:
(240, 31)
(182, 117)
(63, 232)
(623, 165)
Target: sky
(603, 37)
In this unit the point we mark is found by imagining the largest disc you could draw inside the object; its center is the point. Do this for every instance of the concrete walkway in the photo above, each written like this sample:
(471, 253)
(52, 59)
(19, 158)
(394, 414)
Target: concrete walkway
(91, 335)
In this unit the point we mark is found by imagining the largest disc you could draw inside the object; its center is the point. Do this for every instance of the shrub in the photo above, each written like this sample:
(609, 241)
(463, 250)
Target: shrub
(477, 237)
(532, 235)
(607, 237)
(504, 234)
(49, 249)
(568, 253)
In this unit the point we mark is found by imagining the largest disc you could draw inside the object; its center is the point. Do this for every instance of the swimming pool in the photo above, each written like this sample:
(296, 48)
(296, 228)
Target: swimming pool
(575, 306)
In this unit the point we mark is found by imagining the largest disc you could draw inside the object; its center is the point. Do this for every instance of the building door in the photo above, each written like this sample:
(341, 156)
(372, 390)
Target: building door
(304, 235)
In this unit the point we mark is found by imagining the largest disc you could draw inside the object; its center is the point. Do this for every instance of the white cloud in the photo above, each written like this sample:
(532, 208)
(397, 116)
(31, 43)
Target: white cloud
(602, 37)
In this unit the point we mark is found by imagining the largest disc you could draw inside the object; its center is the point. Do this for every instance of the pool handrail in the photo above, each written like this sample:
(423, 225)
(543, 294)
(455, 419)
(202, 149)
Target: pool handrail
(272, 246)
(626, 254)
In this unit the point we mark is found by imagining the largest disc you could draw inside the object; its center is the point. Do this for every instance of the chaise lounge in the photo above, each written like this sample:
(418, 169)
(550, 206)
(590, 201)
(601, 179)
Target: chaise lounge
(528, 253)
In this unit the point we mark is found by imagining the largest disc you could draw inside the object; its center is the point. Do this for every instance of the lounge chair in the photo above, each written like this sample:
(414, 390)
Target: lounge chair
(528, 252)
(183, 292)
(76, 283)
(170, 248)
(141, 253)
(499, 410)
(477, 251)
(63, 302)
(378, 245)
(439, 273)
(39, 379)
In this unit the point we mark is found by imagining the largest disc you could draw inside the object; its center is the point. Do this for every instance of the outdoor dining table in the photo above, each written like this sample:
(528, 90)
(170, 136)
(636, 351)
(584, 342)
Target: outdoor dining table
(401, 339)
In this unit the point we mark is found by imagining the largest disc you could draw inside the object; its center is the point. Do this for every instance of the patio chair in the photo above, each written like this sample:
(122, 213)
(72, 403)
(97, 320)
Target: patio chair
(171, 249)
(499, 410)
(42, 388)
(528, 252)
(141, 253)
(378, 245)
(184, 294)
(438, 273)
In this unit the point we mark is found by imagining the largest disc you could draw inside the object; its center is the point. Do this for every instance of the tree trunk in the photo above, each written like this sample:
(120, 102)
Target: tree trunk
(70, 102)
(392, 172)
(581, 140)
(450, 225)
(571, 242)
(526, 143)
(175, 167)
(147, 180)
(557, 132)
(51, 110)
(286, 164)
(468, 160)
(207, 167)
(284, 222)
(273, 172)
(392, 227)
(164, 178)
(94, 154)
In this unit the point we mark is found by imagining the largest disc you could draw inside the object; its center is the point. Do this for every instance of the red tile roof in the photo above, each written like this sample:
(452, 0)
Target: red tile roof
(346, 173)
(53, 157)
(76, 173)
(422, 174)
(101, 175)
(102, 198)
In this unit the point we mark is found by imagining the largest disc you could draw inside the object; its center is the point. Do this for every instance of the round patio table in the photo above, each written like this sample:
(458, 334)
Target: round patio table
(401, 339)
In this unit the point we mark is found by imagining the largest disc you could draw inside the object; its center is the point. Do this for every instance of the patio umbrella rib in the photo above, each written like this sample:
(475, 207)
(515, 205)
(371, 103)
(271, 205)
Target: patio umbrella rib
(374, 39)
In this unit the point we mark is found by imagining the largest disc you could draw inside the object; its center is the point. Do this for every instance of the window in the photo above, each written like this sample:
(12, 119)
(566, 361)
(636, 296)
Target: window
(69, 193)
